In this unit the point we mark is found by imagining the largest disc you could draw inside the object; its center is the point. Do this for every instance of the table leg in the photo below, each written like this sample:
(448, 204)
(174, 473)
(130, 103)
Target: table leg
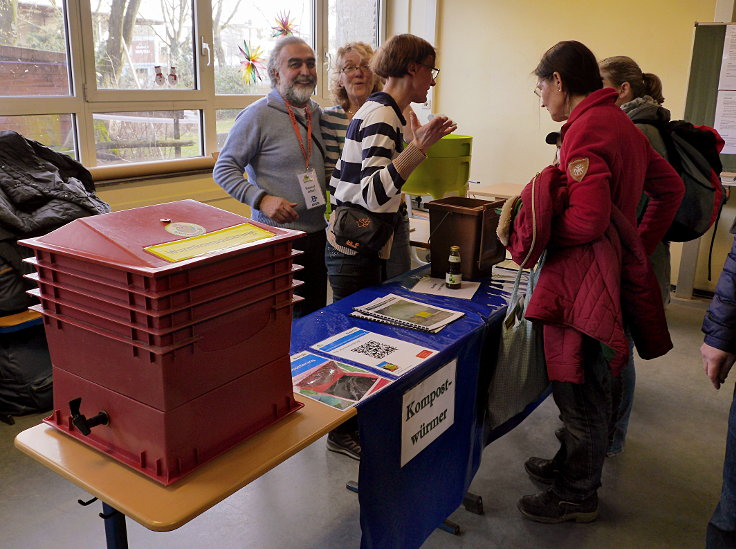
(473, 503)
(450, 527)
(116, 533)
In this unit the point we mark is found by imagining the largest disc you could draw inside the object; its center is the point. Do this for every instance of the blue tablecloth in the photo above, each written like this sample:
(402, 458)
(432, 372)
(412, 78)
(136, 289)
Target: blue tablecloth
(401, 506)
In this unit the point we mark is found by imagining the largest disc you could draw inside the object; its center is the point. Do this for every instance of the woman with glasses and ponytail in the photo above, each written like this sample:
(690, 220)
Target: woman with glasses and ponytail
(640, 97)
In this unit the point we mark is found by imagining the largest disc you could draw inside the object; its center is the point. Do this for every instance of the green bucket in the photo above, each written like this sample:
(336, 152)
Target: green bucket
(445, 171)
(451, 145)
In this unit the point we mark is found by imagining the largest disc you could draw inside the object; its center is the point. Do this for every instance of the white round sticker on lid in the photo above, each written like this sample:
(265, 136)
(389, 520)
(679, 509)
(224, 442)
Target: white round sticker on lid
(185, 229)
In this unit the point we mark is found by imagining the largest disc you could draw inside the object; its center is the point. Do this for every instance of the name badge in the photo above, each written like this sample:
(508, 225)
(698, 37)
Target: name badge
(309, 184)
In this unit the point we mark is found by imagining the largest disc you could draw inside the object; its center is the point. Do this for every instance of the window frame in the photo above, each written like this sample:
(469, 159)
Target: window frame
(85, 99)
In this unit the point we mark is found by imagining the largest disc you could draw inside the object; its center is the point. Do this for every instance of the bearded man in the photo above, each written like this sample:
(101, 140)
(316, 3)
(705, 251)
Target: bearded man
(277, 142)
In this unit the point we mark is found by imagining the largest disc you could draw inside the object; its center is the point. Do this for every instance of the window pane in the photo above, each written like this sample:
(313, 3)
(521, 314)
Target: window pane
(352, 21)
(33, 58)
(225, 121)
(251, 27)
(155, 53)
(56, 131)
(122, 137)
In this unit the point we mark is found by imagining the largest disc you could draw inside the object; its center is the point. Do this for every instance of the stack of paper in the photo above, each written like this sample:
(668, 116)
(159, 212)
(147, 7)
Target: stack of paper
(400, 311)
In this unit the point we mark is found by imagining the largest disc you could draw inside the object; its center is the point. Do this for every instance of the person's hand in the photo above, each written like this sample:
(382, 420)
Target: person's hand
(427, 135)
(716, 363)
(408, 131)
(279, 209)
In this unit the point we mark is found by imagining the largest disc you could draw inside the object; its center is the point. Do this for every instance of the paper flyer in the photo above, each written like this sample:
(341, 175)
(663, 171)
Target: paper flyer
(333, 383)
(384, 353)
(436, 286)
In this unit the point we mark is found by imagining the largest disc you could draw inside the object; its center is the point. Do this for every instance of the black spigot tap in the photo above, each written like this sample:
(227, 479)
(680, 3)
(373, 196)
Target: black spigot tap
(81, 422)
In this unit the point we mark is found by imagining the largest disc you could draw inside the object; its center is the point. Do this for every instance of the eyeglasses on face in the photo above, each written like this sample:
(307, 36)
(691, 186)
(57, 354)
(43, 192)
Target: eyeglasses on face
(537, 92)
(435, 70)
(351, 69)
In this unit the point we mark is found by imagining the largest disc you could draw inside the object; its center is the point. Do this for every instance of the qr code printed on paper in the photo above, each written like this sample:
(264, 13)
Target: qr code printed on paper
(374, 349)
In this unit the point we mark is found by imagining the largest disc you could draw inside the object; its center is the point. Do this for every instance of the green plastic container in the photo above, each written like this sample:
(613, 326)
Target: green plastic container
(451, 146)
(446, 170)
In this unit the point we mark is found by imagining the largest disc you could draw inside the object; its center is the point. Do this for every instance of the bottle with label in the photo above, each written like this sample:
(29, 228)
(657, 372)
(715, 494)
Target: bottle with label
(454, 276)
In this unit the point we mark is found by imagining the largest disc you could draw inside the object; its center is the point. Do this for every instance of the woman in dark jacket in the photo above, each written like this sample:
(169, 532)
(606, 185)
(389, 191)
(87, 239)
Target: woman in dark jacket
(606, 165)
(719, 354)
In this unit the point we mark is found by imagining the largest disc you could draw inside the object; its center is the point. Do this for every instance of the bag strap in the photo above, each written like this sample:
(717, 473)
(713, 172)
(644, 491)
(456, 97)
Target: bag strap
(515, 298)
(534, 221)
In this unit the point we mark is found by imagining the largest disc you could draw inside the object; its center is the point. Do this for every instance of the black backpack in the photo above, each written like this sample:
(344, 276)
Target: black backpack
(694, 153)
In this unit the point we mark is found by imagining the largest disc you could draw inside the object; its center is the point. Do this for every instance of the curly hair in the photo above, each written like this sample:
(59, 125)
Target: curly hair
(339, 93)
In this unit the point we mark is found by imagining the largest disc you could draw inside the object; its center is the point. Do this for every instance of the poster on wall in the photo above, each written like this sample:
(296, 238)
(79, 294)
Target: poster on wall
(725, 116)
(727, 80)
(725, 120)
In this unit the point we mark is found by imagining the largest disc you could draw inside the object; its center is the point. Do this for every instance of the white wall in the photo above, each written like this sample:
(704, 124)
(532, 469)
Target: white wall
(488, 50)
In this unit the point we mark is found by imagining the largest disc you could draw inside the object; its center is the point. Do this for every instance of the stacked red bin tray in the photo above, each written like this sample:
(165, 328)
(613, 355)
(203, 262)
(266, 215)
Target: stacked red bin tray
(169, 331)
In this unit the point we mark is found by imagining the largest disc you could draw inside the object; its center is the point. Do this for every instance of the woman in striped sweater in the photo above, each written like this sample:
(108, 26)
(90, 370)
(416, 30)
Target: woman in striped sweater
(372, 169)
(374, 163)
(351, 84)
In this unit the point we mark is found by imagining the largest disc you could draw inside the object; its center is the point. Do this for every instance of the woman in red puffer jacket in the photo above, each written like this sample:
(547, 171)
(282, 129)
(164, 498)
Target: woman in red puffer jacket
(584, 293)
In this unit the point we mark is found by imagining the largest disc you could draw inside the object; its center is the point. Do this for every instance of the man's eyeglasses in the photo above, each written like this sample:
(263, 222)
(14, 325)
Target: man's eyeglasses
(435, 70)
(350, 69)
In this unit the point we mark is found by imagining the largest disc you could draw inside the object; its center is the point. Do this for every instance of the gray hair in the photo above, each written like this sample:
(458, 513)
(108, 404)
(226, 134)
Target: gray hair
(273, 59)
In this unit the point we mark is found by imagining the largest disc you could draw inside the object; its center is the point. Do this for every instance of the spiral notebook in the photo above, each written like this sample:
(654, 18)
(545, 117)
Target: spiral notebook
(400, 311)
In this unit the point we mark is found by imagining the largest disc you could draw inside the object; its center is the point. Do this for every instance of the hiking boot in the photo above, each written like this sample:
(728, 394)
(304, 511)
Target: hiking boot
(549, 508)
(344, 443)
(541, 470)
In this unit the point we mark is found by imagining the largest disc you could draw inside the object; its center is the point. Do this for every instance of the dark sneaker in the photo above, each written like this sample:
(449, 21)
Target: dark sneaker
(541, 470)
(344, 443)
(549, 508)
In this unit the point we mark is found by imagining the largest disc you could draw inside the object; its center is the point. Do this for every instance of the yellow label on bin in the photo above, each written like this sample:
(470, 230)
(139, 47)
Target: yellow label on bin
(223, 239)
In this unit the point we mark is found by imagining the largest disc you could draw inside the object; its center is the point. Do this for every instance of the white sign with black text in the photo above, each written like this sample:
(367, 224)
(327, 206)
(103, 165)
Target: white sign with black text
(428, 411)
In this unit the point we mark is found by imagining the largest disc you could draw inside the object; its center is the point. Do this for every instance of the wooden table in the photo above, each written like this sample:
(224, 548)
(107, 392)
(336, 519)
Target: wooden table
(495, 191)
(165, 508)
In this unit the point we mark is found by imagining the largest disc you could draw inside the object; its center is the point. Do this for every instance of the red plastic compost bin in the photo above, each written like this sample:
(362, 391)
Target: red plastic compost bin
(175, 320)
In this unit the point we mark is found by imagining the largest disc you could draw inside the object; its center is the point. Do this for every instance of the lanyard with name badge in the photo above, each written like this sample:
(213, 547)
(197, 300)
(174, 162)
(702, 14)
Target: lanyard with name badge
(308, 182)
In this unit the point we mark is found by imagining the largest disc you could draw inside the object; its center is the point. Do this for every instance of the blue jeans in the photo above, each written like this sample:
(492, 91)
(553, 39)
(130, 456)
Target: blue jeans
(349, 273)
(721, 531)
(623, 402)
(400, 260)
(585, 409)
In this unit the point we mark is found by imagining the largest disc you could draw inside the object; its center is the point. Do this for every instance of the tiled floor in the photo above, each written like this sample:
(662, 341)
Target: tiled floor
(658, 494)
